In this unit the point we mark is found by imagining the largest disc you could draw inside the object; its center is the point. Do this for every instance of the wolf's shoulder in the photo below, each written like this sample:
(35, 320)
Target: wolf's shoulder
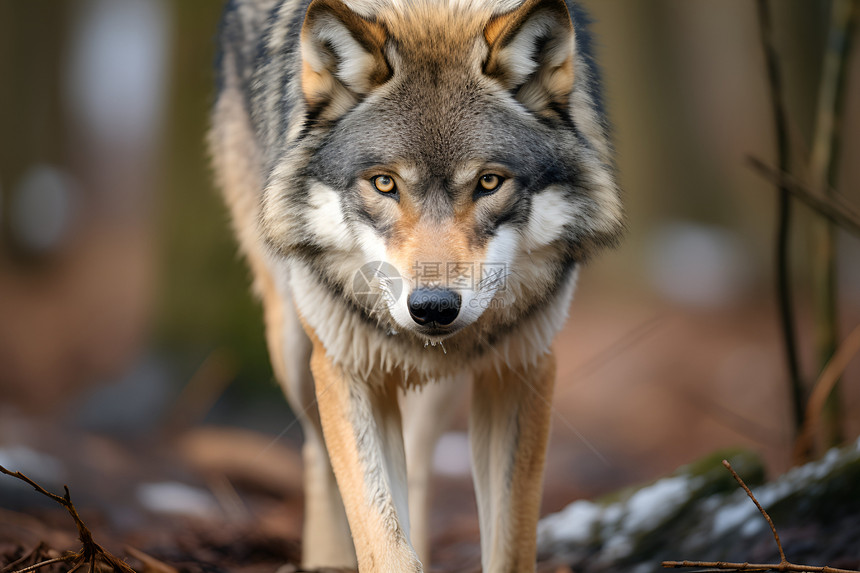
(242, 21)
(243, 27)
(582, 24)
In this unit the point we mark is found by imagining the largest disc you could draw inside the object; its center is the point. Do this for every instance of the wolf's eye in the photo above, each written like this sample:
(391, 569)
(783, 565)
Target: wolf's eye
(489, 183)
(384, 184)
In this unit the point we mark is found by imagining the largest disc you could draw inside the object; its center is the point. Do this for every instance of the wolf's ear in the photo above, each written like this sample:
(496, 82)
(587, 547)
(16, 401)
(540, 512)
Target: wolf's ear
(342, 55)
(532, 51)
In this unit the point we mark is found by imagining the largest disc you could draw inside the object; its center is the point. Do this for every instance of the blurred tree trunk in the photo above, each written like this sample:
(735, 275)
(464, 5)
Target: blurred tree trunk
(824, 164)
(32, 123)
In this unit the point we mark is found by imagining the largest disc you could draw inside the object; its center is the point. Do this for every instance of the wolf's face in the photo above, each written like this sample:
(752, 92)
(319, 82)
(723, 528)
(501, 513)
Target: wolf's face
(458, 143)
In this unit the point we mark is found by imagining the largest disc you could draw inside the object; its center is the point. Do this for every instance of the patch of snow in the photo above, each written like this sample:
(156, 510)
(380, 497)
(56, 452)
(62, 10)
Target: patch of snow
(649, 506)
(733, 515)
(802, 477)
(574, 524)
(772, 493)
(711, 504)
(616, 547)
(620, 522)
(611, 519)
(177, 499)
(743, 513)
(752, 527)
(612, 514)
(605, 535)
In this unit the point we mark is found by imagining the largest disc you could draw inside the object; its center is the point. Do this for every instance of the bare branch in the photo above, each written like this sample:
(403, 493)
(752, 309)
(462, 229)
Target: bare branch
(62, 501)
(783, 565)
(767, 518)
(724, 566)
(41, 564)
(32, 554)
(90, 551)
(824, 386)
(831, 208)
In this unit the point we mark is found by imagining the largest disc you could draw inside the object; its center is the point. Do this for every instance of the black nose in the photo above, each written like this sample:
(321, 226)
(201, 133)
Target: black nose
(434, 305)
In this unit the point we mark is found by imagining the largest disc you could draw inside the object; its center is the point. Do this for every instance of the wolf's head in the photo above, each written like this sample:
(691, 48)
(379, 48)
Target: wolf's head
(460, 142)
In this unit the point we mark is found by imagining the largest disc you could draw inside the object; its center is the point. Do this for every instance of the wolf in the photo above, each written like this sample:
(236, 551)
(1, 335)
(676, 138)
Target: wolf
(415, 185)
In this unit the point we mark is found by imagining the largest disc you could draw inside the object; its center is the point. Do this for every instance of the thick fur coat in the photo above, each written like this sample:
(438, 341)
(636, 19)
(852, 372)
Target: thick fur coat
(455, 154)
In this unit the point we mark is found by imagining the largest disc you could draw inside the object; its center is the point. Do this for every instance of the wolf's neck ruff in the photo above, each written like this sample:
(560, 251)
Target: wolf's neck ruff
(364, 345)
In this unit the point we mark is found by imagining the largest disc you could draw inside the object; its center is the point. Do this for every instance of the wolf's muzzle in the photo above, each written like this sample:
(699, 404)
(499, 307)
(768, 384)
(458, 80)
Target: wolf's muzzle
(434, 306)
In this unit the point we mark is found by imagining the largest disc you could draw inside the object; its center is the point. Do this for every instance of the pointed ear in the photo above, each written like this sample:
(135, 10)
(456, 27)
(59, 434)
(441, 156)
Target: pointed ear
(342, 55)
(532, 51)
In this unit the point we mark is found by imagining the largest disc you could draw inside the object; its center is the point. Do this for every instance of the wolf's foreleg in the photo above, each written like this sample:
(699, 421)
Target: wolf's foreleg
(509, 428)
(326, 541)
(363, 433)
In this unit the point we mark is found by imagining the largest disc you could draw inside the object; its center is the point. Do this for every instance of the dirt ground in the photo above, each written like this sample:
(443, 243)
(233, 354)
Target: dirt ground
(642, 388)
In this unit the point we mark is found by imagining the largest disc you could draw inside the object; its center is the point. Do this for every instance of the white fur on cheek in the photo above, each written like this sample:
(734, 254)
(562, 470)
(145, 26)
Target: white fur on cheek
(549, 213)
(396, 289)
(400, 312)
(501, 252)
(325, 218)
(503, 247)
(371, 244)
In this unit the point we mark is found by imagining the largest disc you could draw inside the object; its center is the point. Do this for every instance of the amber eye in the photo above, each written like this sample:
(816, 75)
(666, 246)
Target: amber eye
(384, 184)
(489, 183)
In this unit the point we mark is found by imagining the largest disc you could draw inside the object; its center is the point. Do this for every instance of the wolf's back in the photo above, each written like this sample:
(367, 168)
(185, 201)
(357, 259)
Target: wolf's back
(235, 147)
(243, 25)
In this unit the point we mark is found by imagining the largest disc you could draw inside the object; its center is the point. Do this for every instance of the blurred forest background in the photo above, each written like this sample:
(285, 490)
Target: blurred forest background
(125, 312)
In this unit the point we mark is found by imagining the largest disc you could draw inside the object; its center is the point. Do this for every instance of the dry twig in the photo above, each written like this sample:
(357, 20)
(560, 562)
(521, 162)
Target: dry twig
(722, 566)
(823, 388)
(36, 554)
(830, 207)
(91, 553)
(150, 563)
(783, 565)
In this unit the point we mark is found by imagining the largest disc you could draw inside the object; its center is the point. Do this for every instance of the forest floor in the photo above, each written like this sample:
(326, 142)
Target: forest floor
(642, 389)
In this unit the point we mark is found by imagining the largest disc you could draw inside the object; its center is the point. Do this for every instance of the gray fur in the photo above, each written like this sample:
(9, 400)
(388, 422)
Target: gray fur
(434, 115)
(319, 98)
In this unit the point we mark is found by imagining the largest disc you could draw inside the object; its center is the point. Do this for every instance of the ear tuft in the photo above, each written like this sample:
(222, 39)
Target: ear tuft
(342, 55)
(532, 52)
